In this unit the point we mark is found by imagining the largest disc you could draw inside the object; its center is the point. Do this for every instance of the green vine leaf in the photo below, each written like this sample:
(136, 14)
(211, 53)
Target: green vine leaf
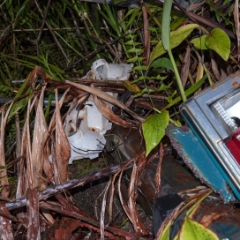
(200, 42)
(195, 230)
(176, 37)
(154, 129)
(219, 42)
(162, 62)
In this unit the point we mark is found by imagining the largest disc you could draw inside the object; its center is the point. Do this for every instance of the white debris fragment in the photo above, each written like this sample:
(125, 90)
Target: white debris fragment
(101, 70)
(85, 128)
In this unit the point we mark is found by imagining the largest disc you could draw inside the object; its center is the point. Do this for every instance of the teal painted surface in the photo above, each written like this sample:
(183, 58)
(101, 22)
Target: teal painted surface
(202, 163)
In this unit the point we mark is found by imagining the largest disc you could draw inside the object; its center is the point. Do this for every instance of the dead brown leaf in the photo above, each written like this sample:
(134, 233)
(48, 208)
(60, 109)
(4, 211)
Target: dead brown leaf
(61, 149)
(39, 140)
(214, 66)
(130, 208)
(186, 65)
(108, 113)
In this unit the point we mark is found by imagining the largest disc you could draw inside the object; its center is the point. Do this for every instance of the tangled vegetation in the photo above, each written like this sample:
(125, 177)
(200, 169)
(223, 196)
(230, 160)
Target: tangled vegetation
(46, 47)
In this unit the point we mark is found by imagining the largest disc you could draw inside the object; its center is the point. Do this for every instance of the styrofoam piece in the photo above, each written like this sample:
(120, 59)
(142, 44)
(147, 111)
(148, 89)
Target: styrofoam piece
(102, 70)
(85, 145)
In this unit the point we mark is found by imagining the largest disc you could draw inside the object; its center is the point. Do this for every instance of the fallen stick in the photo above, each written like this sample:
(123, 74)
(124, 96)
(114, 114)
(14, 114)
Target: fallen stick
(87, 178)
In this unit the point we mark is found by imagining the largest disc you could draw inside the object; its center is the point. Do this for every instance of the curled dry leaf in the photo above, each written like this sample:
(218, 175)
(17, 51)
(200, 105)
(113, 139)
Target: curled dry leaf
(139, 228)
(108, 113)
(62, 148)
(39, 140)
(130, 208)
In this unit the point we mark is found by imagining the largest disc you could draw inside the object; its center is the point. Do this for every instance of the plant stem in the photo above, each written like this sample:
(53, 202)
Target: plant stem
(179, 82)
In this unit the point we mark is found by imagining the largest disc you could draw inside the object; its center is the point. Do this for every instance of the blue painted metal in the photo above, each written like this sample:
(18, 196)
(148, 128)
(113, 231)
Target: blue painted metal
(201, 161)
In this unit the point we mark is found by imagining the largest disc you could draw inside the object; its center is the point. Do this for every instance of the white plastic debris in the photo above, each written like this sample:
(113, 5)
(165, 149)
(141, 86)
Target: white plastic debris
(85, 128)
(102, 70)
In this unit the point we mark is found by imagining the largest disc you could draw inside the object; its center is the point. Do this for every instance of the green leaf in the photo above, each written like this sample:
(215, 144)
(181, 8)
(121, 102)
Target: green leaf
(134, 59)
(145, 90)
(134, 50)
(154, 129)
(163, 87)
(162, 62)
(200, 43)
(176, 37)
(196, 231)
(140, 68)
(219, 42)
(166, 18)
(166, 232)
(130, 42)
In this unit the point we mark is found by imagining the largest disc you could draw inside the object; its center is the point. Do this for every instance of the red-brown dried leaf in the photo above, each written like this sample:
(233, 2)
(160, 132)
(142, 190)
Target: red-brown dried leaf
(33, 231)
(39, 140)
(108, 113)
(62, 148)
